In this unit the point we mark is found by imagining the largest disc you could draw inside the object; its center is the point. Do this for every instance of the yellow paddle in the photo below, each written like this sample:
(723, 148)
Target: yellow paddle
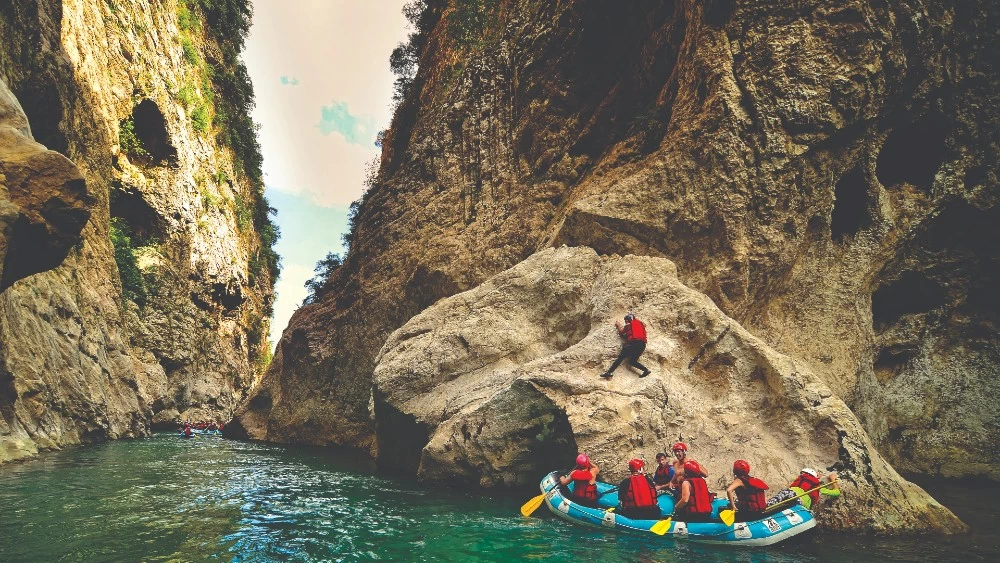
(532, 505)
(661, 527)
(727, 517)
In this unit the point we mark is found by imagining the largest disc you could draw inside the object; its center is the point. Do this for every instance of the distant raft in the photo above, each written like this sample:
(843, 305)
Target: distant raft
(769, 530)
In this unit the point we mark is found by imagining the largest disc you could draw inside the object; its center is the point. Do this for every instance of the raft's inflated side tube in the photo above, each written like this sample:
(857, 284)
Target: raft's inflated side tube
(767, 531)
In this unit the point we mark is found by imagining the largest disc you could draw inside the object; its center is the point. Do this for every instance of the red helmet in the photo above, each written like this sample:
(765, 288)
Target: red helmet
(680, 446)
(636, 464)
(582, 461)
(692, 469)
(741, 467)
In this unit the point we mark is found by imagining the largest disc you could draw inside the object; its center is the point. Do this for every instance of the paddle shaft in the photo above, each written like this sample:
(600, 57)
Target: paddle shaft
(802, 494)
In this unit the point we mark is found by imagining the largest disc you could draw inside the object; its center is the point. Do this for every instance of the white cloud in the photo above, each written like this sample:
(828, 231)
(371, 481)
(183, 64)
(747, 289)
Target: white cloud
(338, 50)
(291, 291)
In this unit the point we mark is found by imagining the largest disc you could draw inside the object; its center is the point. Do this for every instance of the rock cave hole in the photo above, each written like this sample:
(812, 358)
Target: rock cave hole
(718, 12)
(913, 152)
(912, 293)
(850, 205)
(144, 224)
(150, 130)
(399, 436)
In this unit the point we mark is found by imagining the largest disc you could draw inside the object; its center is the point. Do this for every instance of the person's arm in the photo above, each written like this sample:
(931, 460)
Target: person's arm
(621, 329)
(593, 473)
(564, 479)
(731, 493)
(831, 490)
(685, 496)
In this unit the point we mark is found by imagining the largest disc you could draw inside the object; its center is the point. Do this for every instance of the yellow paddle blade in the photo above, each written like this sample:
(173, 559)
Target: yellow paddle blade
(532, 505)
(661, 527)
(727, 517)
(612, 509)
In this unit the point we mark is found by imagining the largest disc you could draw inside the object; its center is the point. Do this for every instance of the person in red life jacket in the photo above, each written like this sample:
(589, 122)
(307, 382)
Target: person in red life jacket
(695, 503)
(634, 333)
(187, 431)
(637, 494)
(808, 480)
(584, 480)
(664, 473)
(680, 450)
(746, 493)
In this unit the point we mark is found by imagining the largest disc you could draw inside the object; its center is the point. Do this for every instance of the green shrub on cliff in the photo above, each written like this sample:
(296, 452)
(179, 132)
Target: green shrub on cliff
(190, 51)
(133, 285)
(127, 141)
(323, 270)
(200, 118)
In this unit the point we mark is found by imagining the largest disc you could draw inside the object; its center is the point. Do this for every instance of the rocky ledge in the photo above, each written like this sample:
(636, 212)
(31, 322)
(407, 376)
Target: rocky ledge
(498, 385)
(44, 202)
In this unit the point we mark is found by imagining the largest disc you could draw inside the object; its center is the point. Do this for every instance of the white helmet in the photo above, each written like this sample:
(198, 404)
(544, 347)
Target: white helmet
(810, 471)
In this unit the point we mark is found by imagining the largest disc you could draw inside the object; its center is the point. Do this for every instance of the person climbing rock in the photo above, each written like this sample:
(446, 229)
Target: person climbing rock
(664, 473)
(695, 502)
(637, 494)
(746, 493)
(584, 480)
(634, 333)
(808, 480)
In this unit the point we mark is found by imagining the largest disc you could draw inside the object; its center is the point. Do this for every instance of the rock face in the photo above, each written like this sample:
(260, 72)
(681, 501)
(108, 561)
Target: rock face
(498, 385)
(155, 312)
(44, 202)
(825, 171)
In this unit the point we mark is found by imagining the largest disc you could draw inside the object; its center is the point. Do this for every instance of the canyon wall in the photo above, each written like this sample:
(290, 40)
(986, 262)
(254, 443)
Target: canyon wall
(824, 171)
(159, 308)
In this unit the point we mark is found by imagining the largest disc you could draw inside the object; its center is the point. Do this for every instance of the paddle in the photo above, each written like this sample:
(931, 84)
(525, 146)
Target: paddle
(532, 505)
(662, 526)
(802, 494)
(729, 516)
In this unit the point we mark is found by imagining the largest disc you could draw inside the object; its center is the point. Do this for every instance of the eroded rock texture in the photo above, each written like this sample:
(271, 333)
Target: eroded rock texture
(500, 384)
(85, 356)
(825, 171)
(44, 202)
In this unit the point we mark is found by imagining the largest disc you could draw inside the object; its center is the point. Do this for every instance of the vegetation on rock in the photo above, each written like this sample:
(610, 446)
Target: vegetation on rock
(133, 285)
(324, 270)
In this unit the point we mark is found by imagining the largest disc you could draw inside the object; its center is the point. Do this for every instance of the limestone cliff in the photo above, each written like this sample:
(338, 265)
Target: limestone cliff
(825, 171)
(162, 306)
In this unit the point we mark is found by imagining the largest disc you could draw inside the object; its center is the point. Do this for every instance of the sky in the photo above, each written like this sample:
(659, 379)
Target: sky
(320, 70)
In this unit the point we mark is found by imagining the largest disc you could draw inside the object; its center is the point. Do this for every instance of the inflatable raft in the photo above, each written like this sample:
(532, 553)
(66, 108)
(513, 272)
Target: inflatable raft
(770, 529)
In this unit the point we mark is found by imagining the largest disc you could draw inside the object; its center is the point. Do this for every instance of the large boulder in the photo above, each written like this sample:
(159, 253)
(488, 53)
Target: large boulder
(44, 201)
(500, 384)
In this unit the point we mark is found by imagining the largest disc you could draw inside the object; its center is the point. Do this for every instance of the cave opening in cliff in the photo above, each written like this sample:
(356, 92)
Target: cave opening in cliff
(150, 129)
(850, 205)
(913, 152)
(400, 438)
(912, 293)
(144, 224)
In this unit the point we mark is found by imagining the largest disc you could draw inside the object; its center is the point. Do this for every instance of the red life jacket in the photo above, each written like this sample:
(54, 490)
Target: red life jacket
(751, 495)
(664, 474)
(582, 488)
(806, 482)
(699, 503)
(640, 493)
(636, 331)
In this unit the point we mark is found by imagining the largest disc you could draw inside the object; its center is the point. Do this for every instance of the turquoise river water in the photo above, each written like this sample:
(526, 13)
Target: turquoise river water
(168, 499)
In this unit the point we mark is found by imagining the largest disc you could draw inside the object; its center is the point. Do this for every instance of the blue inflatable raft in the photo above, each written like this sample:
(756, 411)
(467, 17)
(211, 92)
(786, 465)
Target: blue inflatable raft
(771, 529)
